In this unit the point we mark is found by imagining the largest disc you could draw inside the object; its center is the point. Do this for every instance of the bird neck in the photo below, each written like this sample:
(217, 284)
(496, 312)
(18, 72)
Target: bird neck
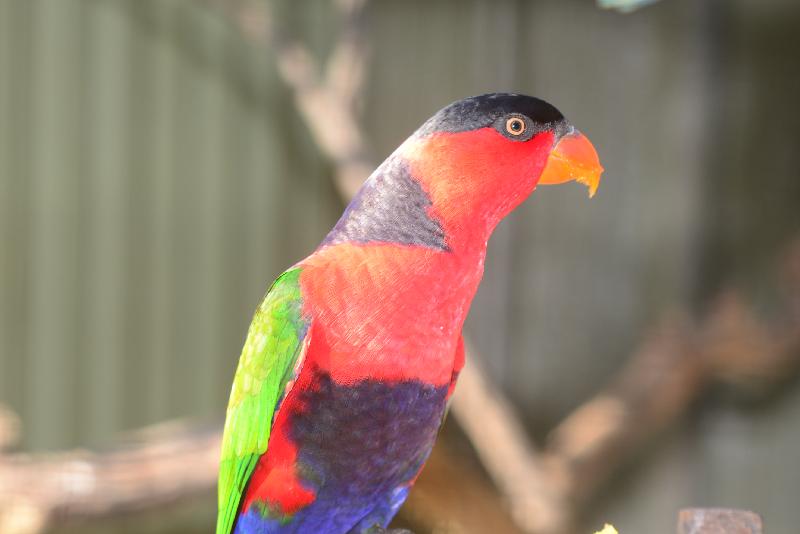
(387, 311)
(391, 207)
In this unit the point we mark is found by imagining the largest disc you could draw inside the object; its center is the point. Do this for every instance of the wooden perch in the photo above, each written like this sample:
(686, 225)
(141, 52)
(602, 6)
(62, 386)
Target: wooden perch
(718, 521)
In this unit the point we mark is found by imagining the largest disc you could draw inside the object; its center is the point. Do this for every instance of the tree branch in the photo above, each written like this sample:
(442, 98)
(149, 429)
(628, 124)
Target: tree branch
(9, 428)
(501, 442)
(718, 520)
(173, 462)
(675, 365)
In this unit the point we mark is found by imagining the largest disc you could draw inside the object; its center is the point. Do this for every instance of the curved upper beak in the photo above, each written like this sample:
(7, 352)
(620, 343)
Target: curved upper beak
(573, 158)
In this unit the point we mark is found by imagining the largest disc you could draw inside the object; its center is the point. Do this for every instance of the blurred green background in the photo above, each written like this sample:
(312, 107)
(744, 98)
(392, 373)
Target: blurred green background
(155, 176)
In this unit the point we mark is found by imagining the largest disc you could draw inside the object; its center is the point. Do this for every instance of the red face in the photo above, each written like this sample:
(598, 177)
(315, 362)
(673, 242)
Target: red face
(477, 176)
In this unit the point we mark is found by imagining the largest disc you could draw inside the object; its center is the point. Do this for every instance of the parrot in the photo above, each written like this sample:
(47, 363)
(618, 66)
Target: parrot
(352, 355)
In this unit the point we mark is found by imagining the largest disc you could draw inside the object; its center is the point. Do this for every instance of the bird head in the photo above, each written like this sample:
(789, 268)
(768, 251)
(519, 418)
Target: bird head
(479, 158)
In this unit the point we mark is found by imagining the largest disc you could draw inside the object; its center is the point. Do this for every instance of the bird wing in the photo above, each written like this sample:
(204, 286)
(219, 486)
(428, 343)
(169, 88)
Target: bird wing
(270, 360)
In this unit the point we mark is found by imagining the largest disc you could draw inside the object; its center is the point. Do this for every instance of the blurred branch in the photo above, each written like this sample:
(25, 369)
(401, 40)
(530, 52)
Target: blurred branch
(325, 96)
(717, 520)
(502, 444)
(664, 376)
(449, 496)
(667, 374)
(9, 428)
(174, 462)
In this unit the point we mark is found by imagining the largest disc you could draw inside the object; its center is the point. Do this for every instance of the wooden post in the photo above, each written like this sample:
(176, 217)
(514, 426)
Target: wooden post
(718, 521)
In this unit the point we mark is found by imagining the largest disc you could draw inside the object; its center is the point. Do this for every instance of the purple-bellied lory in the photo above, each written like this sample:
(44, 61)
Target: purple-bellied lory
(350, 359)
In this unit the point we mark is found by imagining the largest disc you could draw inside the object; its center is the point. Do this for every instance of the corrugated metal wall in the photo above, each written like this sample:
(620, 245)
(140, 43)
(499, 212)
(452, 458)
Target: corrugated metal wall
(154, 178)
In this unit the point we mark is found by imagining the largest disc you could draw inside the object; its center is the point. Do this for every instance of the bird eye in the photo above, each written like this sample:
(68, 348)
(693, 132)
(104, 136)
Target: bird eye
(515, 126)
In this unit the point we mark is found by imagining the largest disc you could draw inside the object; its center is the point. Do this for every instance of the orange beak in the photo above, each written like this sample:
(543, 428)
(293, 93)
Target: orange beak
(573, 158)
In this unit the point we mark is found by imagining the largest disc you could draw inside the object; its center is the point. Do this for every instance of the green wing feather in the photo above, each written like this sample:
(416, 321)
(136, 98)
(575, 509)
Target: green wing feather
(268, 362)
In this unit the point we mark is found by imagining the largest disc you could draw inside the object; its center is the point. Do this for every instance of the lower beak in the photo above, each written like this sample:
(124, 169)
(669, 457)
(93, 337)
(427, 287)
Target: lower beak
(573, 158)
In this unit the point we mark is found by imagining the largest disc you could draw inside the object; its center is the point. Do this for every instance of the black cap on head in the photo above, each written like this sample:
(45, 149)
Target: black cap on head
(487, 110)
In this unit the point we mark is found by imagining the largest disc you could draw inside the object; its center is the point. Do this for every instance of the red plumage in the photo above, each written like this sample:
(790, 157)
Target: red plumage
(384, 300)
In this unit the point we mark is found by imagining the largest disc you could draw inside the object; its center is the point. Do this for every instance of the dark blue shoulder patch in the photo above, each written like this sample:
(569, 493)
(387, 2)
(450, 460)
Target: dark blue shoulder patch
(391, 207)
